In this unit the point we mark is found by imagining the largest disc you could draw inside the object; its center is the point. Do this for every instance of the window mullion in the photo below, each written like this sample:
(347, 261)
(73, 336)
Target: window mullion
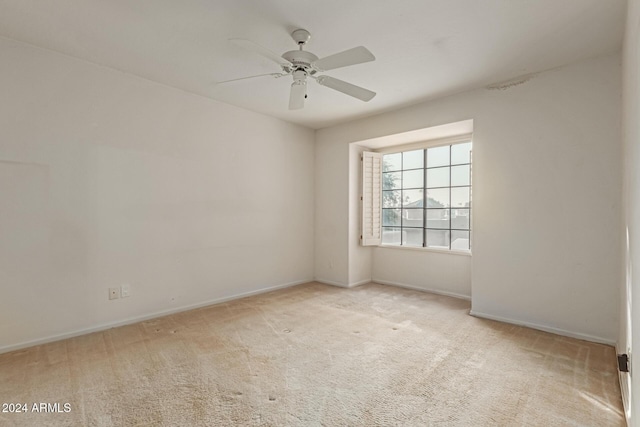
(450, 207)
(424, 200)
(402, 200)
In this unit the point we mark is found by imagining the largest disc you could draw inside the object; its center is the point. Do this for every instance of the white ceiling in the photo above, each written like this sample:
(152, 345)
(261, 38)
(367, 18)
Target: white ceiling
(424, 48)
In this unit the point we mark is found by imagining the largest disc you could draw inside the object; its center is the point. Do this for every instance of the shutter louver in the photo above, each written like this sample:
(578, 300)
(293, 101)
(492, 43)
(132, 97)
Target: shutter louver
(371, 198)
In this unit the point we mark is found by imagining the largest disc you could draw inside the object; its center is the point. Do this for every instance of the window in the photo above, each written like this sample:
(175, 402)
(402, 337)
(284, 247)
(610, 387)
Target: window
(426, 197)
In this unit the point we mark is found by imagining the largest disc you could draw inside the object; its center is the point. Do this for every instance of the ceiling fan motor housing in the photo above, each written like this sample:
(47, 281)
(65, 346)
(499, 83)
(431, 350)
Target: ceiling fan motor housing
(301, 60)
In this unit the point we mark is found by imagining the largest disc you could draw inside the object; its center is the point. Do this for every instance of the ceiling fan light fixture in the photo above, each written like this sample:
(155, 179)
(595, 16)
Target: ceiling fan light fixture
(298, 94)
(300, 77)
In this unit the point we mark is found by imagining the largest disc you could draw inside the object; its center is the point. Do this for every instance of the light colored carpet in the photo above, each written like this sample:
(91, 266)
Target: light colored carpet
(316, 355)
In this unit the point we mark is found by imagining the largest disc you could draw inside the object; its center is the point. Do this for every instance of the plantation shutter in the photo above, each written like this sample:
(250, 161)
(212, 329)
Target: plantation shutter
(371, 198)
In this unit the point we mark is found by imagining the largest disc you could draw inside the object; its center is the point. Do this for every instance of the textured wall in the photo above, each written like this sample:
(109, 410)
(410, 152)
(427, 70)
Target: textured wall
(108, 179)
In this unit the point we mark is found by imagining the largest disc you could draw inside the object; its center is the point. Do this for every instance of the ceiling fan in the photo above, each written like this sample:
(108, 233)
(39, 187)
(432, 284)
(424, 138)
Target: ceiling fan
(301, 64)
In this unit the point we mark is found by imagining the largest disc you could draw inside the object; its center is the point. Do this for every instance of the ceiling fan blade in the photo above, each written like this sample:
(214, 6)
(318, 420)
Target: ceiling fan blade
(276, 75)
(354, 56)
(262, 51)
(297, 96)
(346, 88)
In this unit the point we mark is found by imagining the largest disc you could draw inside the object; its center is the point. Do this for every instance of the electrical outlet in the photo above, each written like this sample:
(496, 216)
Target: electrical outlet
(114, 293)
(125, 290)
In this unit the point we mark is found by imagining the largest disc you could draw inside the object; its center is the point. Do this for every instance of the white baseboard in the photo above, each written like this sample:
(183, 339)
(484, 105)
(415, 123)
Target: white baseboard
(361, 282)
(557, 331)
(136, 319)
(417, 288)
(343, 285)
(331, 282)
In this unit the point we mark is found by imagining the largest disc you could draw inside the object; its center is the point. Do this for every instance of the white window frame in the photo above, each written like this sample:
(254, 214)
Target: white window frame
(372, 237)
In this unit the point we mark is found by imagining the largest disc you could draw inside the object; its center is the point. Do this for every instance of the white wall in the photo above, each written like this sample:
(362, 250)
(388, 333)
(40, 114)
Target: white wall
(546, 195)
(548, 201)
(629, 338)
(429, 271)
(106, 178)
(331, 223)
(359, 256)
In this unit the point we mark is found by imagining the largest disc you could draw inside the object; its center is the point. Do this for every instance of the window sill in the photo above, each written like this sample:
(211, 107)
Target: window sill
(415, 248)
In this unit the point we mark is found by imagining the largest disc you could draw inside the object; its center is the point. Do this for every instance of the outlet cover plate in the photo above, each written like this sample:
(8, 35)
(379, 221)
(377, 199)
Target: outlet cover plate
(125, 290)
(114, 293)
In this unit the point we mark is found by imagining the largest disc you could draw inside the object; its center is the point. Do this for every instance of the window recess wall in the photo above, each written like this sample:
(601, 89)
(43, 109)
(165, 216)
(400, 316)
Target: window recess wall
(419, 267)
